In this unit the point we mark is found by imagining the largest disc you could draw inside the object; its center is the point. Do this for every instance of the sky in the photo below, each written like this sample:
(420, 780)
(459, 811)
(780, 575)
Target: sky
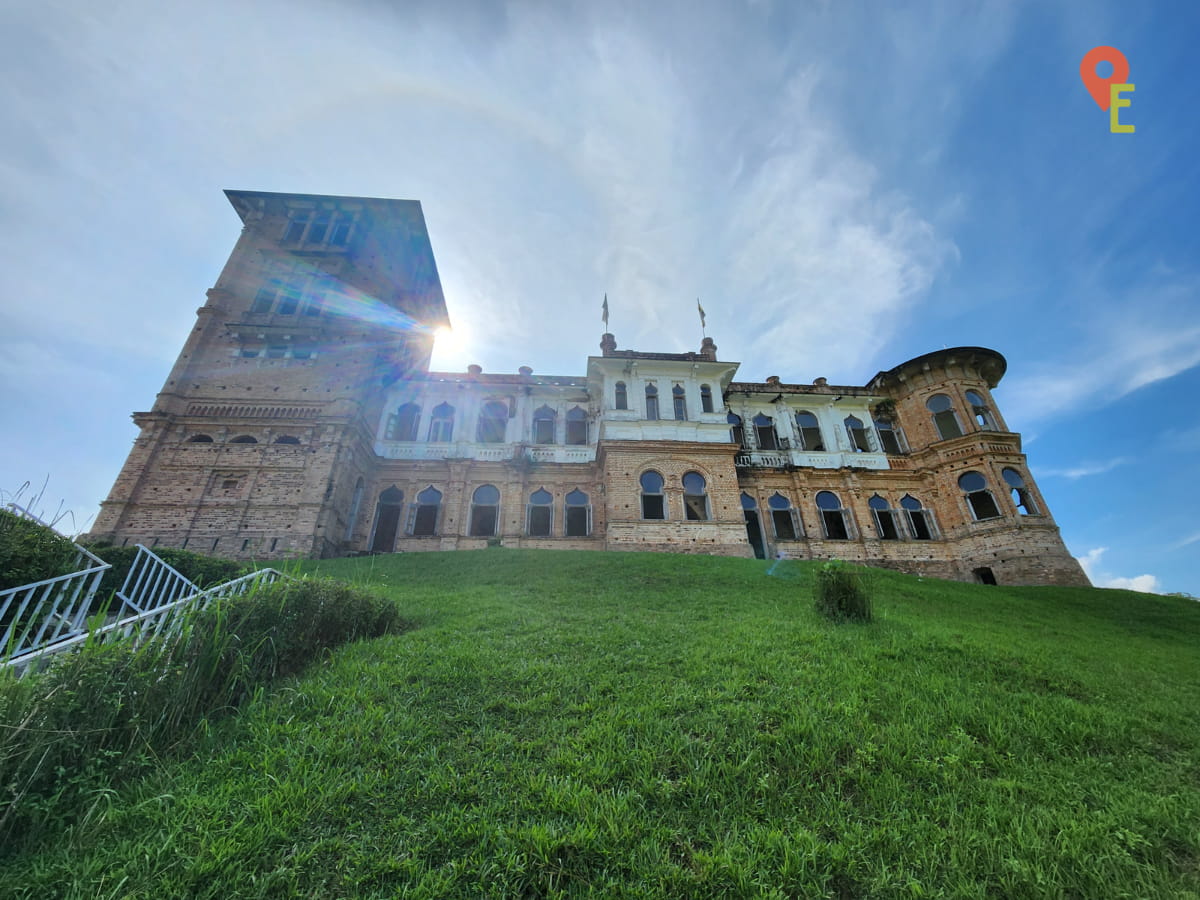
(843, 185)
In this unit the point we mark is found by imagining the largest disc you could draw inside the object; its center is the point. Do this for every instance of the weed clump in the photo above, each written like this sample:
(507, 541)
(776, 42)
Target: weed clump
(841, 594)
(31, 552)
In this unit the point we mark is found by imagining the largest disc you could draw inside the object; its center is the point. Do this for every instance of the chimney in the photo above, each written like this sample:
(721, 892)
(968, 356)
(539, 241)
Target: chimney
(526, 371)
(708, 350)
(608, 344)
(474, 370)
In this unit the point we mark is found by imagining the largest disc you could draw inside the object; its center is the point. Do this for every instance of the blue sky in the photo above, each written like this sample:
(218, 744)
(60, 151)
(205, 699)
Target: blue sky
(845, 186)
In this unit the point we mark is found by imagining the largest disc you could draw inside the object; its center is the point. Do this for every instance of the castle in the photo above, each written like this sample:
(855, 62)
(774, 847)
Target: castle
(301, 418)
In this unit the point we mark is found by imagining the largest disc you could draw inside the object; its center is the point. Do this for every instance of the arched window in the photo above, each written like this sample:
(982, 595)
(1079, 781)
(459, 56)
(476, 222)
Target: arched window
(679, 398)
(387, 520)
(885, 519)
(860, 440)
(810, 432)
(651, 402)
(402, 424)
(920, 521)
(784, 518)
(543, 425)
(244, 439)
(945, 419)
(539, 514)
(890, 437)
(287, 439)
(653, 503)
(764, 433)
(577, 426)
(737, 433)
(485, 511)
(748, 502)
(833, 517)
(1021, 497)
(706, 404)
(355, 504)
(493, 419)
(695, 499)
(578, 514)
(200, 439)
(423, 515)
(622, 396)
(441, 424)
(980, 411)
(979, 498)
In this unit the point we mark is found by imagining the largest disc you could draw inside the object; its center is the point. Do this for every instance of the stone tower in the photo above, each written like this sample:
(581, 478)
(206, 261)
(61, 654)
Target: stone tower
(265, 424)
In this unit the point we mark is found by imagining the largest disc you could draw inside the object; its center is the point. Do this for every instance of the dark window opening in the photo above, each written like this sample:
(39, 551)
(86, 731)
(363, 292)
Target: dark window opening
(263, 301)
(543, 426)
(885, 519)
(1021, 497)
(860, 442)
(651, 402)
(229, 484)
(276, 351)
(737, 433)
(485, 511)
(919, 522)
(945, 419)
(980, 412)
(622, 396)
(889, 437)
(577, 426)
(244, 439)
(764, 433)
(695, 500)
(539, 513)
(680, 402)
(492, 422)
(833, 517)
(287, 439)
(653, 502)
(441, 425)
(578, 514)
(706, 401)
(402, 424)
(979, 498)
(200, 439)
(387, 520)
(783, 518)
(295, 228)
(810, 432)
(985, 575)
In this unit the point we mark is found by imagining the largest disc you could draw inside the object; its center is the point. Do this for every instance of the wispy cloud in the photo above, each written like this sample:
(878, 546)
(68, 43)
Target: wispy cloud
(1146, 584)
(1187, 541)
(1083, 470)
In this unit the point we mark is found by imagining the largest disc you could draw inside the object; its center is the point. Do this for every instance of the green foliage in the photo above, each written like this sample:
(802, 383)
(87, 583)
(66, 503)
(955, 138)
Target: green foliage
(647, 725)
(31, 552)
(841, 594)
(204, 571)
(105, 713)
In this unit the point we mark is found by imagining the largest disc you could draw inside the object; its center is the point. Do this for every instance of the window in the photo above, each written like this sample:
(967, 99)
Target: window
(706, 398)
(244, 439)
(263, 301)
(423, 515)
(485, 511)
(200, 439)
(539, 514)
(543, 425)
(493, 419)
(276, 351)
(313, 304)
(920, 521)
(297, 223)
(695, 500)
(979, 498)
(764, 433)
(980, 412)
(653, 502)
(387, 520)
(680, 401)
(860, 441)
(890, 437)
(651, 402)
(1021, 497)
(737, 433)
(885, 519)
(441, 424)
(579, 514)
(306, 226)
(287, 439)
(250, 352)
(577, 426)
(622, 396)
(402, 424)
(289, 299)
(810, 432)
(833, 517)
(319, 228)
(945, 419)
(784, 518)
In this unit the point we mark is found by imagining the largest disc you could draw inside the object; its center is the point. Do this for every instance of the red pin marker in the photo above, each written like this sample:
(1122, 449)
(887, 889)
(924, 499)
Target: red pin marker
(1097, 86)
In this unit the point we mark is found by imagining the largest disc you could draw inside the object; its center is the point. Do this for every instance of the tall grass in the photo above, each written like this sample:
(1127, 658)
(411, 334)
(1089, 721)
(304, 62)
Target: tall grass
(98, 716)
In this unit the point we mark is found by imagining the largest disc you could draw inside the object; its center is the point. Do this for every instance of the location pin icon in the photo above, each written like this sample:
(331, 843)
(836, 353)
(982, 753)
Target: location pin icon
(1097, 86)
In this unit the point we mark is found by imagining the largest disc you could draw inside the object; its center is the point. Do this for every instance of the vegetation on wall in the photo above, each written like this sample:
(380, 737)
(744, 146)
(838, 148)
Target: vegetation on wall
(30, 552)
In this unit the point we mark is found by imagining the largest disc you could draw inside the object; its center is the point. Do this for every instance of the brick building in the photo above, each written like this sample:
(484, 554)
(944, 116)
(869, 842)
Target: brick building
(301, 418)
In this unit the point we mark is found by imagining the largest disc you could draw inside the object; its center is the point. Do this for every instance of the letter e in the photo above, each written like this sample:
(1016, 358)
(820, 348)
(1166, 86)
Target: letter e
(1114, 93)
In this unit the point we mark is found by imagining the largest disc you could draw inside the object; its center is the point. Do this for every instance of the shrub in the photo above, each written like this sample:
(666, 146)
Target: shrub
(105, 713)
(841, 594)
(31, 552)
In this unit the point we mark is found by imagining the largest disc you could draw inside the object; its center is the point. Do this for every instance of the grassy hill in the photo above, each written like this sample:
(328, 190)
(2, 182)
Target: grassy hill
(647, 725)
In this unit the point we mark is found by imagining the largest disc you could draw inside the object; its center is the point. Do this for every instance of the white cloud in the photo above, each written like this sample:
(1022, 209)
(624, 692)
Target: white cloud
(1084, 469)
(1187, 541)
(1146, 584)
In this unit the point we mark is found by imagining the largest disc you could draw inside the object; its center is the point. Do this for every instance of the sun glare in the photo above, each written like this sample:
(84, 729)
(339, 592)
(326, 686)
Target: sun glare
(449, 348)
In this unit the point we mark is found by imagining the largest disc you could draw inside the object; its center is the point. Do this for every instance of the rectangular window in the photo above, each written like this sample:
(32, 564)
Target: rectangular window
(835, 524)
(249, 353)
(543, 431)
(423, 522)
(295, 231)
(577, 521)
(483, 521)
(577, 431)
(680, 409)
(918, 524)
(263, 301)
(341, 232)
(885, 522)
(314, 304)
(288, 303)
(785, 525)
(539, 520)
(890, 441)
(652, 506)
(320, 227)
(301, 352)
(276, 351)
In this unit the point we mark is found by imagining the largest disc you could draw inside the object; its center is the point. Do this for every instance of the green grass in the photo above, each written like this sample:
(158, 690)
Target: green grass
(645, 725)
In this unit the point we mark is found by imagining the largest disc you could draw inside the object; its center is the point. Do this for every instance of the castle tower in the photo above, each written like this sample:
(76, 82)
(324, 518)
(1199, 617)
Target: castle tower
(264, 428)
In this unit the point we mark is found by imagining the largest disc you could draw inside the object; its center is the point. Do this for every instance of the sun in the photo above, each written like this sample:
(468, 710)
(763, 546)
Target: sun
(449, 346)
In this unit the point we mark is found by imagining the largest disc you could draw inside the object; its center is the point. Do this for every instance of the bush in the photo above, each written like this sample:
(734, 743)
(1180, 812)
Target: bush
(841, 594)
(103, 714)
(31, 552)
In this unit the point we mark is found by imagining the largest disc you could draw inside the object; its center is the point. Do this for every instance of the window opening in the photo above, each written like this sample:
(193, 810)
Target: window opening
(706, 401)
(287, 439)
(579, 514)
(200, 439)
(539, 513)
(945, 419)
(492, 421)
(577, 426)
(737, 433)
(979, 498)
(441, 424)
(980, 411)
(653, 502)
(622, 396)
(889, 437)
(810, 432)
(244, 439)
(485, 511)
(695, 500)
(402, 424)
(833, 517)
(860, 442)
(680, 401)
(387, 520)
(423, 515)
(651, 402)
(783, 518)
(985, 575)
(1021, 497)
(885, 519)
(764, 433)
(543, 425)
(920, 523)
(753, 527)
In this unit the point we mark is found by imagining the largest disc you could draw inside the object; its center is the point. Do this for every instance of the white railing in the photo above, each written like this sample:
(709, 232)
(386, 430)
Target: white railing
(151, 583)
(32, 615)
